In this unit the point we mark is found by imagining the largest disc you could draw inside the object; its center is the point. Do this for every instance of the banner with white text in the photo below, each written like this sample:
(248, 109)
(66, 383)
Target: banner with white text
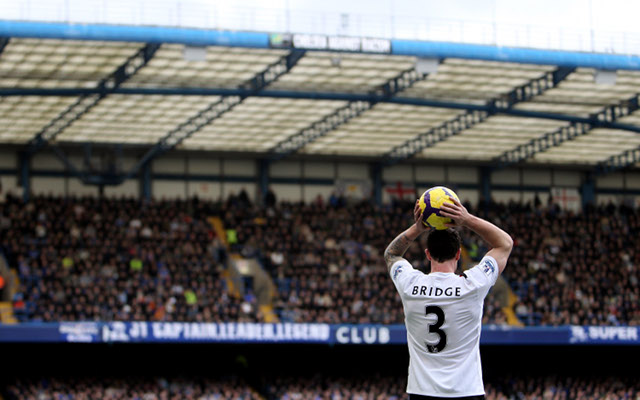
(230, 332)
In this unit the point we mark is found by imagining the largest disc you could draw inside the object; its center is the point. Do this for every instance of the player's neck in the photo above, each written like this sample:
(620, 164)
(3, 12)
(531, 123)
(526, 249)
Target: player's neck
(447, 266)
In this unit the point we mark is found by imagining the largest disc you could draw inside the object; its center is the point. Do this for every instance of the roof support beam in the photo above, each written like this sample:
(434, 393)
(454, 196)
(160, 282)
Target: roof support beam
(25, 175)
(215, 110)
(403, 81)
(434, 135)
(534, 87)
(605, 118)
(618, 162)
(86, 176)
(3, 43)
(543, 143)
(89, 100)
(497, 109)
(614, 112)
(187, 129)
(343, 115)
(175, 136)
(502, 104)
(318, 129)
(67, 117)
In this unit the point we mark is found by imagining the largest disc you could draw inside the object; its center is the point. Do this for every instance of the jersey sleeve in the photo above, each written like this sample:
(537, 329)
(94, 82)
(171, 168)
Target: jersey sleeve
(484, 275)
(401, 274)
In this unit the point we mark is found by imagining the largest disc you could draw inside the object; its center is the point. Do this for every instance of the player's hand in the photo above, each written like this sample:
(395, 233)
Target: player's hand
(417, 217)
(456, 211)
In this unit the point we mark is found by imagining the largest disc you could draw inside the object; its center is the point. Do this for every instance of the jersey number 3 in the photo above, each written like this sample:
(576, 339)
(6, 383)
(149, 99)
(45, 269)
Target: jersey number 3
(435, 328)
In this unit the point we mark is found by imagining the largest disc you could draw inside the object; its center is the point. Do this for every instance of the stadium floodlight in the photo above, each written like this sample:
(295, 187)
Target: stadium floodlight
(427, 65)
(605, 77)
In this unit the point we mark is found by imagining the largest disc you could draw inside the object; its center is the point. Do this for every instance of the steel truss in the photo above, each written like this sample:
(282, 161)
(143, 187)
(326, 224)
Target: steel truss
(87, 101)
(502, 104)
(606, 117)
(217, 109)
(434, 135)
(343, 115)
(619, 162)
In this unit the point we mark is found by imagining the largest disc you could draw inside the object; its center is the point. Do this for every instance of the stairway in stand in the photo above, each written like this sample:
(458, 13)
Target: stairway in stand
(262, 280)
(6, 314)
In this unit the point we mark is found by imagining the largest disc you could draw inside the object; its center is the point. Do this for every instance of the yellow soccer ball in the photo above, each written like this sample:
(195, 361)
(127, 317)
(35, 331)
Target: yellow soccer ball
(430, 203)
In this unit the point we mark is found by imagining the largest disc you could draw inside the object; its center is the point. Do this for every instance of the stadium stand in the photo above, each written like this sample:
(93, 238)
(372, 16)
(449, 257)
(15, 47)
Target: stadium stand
(144, 259)
(347, 241)
(89, 259)
(512, 387)
(571, 268)
(337, 387)
(318, 387)
(230, 387)
(563, 387)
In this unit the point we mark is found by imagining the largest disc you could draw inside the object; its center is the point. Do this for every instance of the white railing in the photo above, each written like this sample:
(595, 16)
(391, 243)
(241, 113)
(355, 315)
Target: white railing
(218, 15)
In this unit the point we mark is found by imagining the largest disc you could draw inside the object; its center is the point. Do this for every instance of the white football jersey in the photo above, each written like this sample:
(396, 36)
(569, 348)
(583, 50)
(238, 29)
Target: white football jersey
(443, 316)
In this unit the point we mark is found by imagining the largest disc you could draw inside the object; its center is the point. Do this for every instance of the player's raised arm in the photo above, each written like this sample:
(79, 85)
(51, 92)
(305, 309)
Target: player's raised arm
(401, 243)
(499, 240)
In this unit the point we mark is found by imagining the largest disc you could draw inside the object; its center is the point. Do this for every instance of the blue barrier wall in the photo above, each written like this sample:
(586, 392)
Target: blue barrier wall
(177, 332)
(512, 54)
(198, 37)
(204, 37)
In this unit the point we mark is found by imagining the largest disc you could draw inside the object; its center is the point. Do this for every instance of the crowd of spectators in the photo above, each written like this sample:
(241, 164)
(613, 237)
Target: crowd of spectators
(554, 387)
(326, 260)
(231, 388)
(89, 259)
(106, 259)
(332, 387)
(569, 268)
(318, 387)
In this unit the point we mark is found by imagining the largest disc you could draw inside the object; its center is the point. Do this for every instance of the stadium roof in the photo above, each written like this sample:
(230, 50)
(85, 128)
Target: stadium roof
(283, 101)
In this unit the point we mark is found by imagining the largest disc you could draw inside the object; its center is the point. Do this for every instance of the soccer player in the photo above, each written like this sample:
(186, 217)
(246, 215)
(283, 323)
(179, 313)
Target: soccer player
(443, 311)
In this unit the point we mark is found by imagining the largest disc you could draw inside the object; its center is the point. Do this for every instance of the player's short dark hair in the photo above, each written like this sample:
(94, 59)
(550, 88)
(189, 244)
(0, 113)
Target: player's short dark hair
(443, 244)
